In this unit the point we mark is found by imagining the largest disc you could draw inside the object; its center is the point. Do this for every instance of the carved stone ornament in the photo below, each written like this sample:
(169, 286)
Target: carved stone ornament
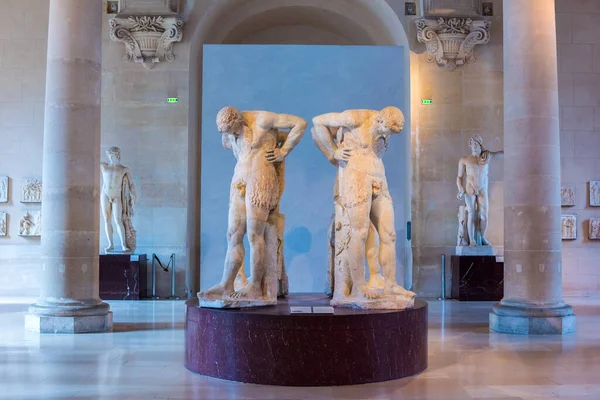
(31, 224)
(3, 189)
(450, 41)
(31, 190)
(3, 230)
(594, 229)
(569, 226)
(148, 39)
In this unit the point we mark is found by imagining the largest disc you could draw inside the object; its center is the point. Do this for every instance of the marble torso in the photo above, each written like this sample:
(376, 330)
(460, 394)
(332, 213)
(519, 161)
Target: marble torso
(476, 174)
(112, 180)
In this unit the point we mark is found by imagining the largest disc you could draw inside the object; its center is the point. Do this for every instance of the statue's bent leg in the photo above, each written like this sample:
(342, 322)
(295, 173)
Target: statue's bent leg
(483, 203)
(106, 206)
(382, 215)
(234, 259)
(256, 220)
(356, 192)
(358, 216)
(376, 280)
(118, 218)
(470, 203)
(241, 280)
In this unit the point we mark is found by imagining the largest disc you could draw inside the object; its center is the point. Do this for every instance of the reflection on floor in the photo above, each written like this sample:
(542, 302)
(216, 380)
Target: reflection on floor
(143, 359)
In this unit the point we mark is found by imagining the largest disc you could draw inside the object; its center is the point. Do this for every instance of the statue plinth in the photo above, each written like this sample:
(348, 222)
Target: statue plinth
(476, 251)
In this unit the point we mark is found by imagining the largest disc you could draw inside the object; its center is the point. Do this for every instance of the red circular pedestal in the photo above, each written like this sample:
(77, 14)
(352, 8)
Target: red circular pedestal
(270, 346)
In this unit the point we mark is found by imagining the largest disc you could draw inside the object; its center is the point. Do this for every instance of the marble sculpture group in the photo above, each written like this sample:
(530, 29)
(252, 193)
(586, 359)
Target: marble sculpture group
(354, 141)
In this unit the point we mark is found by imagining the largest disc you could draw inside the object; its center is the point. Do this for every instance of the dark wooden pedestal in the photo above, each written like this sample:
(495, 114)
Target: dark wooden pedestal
(123, 276)
(477, 278)
(271, 346)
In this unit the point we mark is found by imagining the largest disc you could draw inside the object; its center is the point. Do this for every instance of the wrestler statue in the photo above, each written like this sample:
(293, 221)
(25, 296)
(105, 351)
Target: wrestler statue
(253, 204)
(357, 149)
(472, 183)
(117, 200)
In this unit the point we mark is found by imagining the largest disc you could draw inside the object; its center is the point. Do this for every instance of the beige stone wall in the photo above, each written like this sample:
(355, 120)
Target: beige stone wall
(578, 36)
(466, 102)
(23, 41)
(153, 136)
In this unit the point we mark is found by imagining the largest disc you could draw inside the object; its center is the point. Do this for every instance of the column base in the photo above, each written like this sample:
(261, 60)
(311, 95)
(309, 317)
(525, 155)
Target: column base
(72, 324)
(73, 317)
(533, 321)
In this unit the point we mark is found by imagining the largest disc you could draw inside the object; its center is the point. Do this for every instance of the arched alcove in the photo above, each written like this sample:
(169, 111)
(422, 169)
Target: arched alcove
(335, 22)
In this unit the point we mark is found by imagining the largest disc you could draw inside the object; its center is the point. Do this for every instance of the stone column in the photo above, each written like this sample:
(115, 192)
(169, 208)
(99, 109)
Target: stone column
(69, 301)
(532, 302)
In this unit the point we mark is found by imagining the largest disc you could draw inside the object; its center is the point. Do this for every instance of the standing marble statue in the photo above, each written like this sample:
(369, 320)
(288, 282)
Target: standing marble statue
(255, 192)
(472, 183)
(357, 149)
(241, 279)
(117, 201)
(376, 280)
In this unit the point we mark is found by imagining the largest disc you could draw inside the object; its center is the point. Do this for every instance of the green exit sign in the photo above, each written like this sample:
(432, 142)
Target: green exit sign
(427, 101)
(173, 100)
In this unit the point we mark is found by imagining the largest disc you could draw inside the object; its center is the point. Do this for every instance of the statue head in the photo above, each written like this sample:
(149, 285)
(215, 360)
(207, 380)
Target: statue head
(114, 155)
(390, 120)
(476, 145)
(229, 120)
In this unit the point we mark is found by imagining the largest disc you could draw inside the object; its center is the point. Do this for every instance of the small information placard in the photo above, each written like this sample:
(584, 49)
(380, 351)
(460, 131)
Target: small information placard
(300, 310)
(323, 310)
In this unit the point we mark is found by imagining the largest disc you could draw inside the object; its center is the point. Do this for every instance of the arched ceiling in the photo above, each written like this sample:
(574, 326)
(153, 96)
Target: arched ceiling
(358, 22)
(318, 18)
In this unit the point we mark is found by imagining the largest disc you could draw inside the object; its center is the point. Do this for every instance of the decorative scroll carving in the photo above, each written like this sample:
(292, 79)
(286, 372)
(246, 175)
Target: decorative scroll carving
(148, 39)
(450, 41)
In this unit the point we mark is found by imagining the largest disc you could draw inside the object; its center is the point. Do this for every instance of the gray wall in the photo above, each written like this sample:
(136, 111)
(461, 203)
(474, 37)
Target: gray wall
(304, 81)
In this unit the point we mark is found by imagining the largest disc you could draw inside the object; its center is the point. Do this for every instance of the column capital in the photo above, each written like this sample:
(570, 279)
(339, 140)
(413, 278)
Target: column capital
(450, 41)
(148, 39)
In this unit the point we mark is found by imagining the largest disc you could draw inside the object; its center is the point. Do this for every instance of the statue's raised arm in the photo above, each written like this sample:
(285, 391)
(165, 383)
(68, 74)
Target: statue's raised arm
(324, 131)
(296, 125)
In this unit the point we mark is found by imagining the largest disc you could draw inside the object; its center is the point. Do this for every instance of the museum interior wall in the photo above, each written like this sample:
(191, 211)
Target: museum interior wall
(467, 101)
(154, 135)
(23, 42)
(578, 36)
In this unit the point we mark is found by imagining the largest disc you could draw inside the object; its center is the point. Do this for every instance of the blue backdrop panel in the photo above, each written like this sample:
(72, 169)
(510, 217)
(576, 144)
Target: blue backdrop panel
(304, 81)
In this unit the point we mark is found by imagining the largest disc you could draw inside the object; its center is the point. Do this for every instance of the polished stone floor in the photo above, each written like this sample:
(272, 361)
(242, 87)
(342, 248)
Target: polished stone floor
(143, 359)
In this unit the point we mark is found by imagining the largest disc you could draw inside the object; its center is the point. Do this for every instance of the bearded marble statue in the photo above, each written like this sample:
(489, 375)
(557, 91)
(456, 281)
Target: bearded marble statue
(472, 183)
(260, 145)
(376, 280)
(355, 141)
(117, 200)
